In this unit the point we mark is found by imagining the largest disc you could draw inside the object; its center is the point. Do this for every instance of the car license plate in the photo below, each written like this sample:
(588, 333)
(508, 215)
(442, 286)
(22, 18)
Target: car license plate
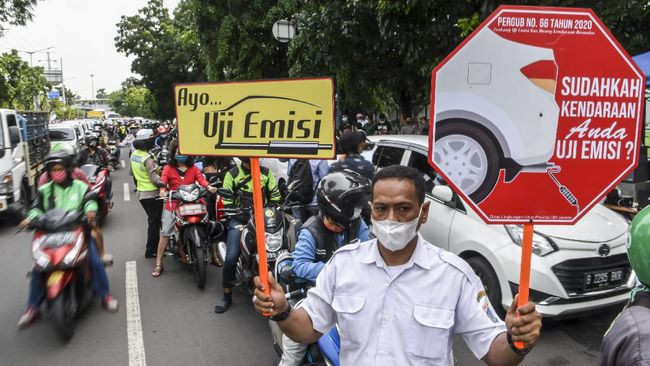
(603, 279)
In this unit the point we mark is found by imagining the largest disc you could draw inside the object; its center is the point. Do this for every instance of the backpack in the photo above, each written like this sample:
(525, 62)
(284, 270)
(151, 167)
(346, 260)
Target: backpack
(301, 172)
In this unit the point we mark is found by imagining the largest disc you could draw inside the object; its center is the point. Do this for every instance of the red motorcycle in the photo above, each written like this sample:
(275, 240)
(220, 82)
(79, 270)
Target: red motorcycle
(97, 177)
(60, 250)
(190, 243)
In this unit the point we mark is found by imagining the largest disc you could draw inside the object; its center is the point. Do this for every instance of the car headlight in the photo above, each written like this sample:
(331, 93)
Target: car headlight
(7, 184)
(541, 244)
(274, 241)
(190, 196)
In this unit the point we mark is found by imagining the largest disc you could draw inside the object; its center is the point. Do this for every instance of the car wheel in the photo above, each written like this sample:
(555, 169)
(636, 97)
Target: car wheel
(490, 282)
(469, 157)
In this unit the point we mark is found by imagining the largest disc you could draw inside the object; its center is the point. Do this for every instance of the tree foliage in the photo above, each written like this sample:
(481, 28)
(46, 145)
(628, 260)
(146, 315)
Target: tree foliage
(133, 101)
(20, 83)
(101, 93)
(166, 50)
(15, 12)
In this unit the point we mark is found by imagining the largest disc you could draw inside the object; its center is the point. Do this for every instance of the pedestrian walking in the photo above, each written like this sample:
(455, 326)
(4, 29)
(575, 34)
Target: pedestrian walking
(409, 127)
(144, 171)
(383, 126)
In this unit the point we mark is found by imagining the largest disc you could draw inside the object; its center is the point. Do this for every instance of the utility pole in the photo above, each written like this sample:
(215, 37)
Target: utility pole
(31, 53)
(92, 86)
(49, 65)
(65, 102)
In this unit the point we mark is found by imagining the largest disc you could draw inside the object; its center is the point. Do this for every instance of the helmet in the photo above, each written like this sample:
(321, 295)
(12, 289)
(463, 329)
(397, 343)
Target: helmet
(93, 141)
(638, 245)
(60, 153)
(342, 195)
(144, 134)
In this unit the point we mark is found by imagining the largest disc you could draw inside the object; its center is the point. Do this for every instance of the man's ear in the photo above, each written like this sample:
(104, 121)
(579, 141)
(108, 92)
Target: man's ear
(425, 212)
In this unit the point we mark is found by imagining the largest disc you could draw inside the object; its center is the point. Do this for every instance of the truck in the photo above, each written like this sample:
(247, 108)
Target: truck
(24, 143)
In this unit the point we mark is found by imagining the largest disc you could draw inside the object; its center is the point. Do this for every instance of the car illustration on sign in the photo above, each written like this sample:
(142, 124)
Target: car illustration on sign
(494, 111)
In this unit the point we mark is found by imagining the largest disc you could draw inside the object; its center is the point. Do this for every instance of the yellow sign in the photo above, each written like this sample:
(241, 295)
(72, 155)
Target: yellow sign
(269, 118)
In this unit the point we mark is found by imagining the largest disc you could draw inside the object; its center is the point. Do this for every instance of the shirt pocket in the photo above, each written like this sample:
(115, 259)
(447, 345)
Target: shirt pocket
(349, 318)
(430, 332)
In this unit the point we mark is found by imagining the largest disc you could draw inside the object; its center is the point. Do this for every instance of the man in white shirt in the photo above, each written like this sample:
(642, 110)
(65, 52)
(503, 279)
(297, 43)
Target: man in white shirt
(399, 300)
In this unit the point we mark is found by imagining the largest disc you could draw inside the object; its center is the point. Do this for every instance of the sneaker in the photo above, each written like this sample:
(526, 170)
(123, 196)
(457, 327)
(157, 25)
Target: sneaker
(28, 318)
(110, 303)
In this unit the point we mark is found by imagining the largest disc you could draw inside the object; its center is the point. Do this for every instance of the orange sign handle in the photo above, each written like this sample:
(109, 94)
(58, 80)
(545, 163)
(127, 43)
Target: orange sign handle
(260, 237)
(524, 273)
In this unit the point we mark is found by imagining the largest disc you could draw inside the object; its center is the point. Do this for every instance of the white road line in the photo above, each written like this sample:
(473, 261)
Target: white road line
(127, 194)
(122, 164)
(133, 322)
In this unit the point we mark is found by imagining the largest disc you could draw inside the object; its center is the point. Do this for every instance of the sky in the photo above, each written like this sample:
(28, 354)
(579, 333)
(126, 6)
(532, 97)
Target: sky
(81, 32)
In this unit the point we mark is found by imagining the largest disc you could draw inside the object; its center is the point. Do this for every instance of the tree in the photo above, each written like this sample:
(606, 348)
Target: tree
(133, 101)
(237, 39)
(20, 83)
(70, 96)
(166, 50)
(380, 53)
(15, 12)
(101, 93)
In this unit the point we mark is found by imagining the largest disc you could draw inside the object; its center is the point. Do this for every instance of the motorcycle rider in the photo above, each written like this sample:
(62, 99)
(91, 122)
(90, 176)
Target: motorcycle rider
(625, 342)
(341, 197)
(162, 136)
(147, 182)
(66, 193)
(95, 154)
(238, 181)
(68, 153)
(179, 171)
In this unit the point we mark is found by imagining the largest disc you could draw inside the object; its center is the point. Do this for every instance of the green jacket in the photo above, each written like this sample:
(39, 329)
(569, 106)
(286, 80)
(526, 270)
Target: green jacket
(238, 180)
(69, 198)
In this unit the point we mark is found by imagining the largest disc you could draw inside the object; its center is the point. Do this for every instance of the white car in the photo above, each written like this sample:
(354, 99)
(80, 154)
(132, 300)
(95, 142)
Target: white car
(574, 268)
(494, 109)
(65, 132)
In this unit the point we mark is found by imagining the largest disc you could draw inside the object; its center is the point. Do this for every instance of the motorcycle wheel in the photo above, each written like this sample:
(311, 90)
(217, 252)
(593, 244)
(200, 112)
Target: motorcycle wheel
(198, 267)
(63, 313)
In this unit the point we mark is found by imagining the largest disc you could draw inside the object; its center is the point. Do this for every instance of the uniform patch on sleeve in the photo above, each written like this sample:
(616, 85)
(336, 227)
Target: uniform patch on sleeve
(484, 302)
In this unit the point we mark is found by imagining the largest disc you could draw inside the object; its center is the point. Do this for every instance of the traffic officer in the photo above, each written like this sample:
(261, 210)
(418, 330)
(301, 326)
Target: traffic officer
(238, 181)
(147, 180)
(398, 300)
(626, 342)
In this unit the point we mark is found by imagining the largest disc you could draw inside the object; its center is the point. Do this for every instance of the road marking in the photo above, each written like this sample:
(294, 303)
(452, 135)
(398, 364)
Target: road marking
(133, 322)
(122, 164)
(127, 194)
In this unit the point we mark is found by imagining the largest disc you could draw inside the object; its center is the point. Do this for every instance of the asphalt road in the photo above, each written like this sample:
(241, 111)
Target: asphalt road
(178, 324)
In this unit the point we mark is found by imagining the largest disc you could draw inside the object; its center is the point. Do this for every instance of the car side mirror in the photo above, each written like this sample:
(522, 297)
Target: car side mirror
(443, 193)
(14, 135)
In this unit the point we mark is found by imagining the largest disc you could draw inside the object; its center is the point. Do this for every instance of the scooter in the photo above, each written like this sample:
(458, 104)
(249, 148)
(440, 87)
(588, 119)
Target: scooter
(190, 243)
(277, 226)
(115, 152)
(326, 350)
(60, 250)
(97, 177)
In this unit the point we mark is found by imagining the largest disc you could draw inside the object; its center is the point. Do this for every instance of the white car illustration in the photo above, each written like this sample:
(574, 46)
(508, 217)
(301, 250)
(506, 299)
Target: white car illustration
(494, 109)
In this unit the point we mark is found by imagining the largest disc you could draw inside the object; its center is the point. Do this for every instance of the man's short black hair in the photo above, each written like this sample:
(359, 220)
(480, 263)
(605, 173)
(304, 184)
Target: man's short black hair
(401, 172)
(350, 141)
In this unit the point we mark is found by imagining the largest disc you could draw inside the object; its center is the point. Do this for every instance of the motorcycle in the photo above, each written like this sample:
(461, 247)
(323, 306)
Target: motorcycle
(277, 227)
(190, 243)
(60, 250)
(326, 350)
(624, 205)
(97, 177)
(115, 152)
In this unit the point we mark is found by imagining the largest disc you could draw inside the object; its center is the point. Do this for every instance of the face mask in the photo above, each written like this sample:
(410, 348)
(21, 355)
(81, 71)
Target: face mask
(59, 176)
(394, 235)
(182, 159)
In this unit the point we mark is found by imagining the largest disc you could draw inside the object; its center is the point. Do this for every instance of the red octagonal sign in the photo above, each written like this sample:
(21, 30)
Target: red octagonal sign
(536, 115)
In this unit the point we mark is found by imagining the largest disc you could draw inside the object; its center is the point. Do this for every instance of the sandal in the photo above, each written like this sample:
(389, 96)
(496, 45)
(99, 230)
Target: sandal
(157, 270)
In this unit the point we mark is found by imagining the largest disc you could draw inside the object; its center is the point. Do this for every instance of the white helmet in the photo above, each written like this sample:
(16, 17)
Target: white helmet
(144, 134)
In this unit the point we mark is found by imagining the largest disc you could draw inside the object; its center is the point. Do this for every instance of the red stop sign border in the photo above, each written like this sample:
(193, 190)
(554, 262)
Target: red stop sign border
(639, 120)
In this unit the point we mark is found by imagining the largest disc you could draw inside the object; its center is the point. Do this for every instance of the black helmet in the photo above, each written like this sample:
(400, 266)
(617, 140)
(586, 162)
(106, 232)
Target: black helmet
(59, 157)
(93, 141)
(342, 195)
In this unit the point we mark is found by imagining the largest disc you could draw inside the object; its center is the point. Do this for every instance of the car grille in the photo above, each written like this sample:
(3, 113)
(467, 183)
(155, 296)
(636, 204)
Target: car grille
(571, 273)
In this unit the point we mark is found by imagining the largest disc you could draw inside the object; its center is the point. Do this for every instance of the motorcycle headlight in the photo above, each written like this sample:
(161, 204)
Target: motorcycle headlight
(190, 196)
(274, 241)
(541, 244)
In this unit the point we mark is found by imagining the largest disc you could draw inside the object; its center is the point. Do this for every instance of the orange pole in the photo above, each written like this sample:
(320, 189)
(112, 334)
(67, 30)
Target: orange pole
(260, 237)
(524, 274)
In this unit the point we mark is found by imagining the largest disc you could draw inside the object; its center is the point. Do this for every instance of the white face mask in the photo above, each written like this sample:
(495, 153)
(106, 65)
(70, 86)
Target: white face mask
(394, 235)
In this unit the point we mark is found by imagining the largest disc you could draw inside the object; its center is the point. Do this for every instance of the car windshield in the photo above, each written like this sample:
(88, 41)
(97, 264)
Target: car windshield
(61, 134)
